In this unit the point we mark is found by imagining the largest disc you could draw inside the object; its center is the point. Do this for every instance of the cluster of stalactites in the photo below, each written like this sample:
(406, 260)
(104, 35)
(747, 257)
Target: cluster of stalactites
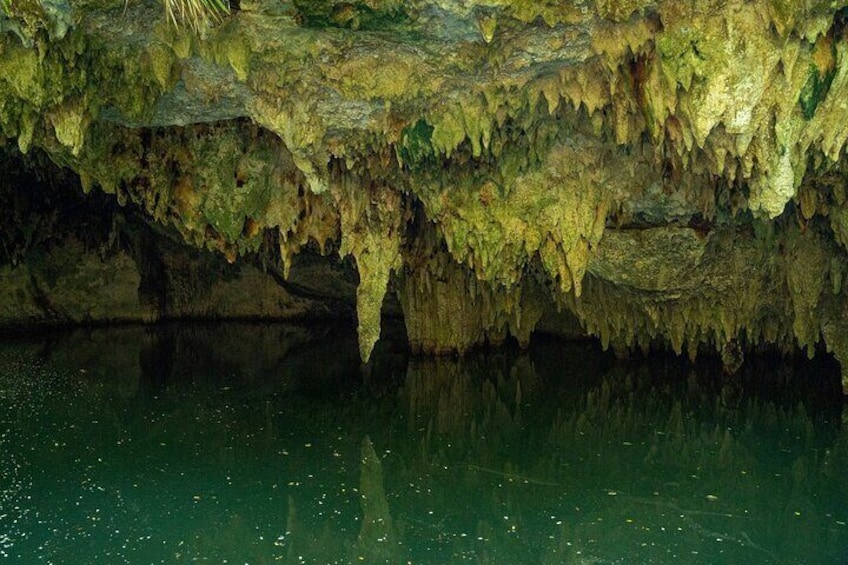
(228, 187)
(448, 309)
(517, 171)
(690, 290)
(463, 264)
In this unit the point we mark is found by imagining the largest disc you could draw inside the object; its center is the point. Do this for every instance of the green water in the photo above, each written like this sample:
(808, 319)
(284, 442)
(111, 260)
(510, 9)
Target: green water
(270, 444)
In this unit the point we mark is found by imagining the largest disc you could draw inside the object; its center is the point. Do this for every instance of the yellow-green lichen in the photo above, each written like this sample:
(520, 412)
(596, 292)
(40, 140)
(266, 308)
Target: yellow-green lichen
(21, 71)
(70, 122)
(518, 146)
(372, 219)
(159, 60)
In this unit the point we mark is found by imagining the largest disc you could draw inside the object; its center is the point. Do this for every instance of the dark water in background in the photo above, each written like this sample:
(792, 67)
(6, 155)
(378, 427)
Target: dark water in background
(269, 444)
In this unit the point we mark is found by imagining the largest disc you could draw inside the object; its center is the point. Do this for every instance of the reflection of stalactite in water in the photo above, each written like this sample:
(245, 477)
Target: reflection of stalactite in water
(510, 439)
(476, 410)
(835, 459)
(732, 357)
(471, 397)
(568, 547)
(291, 531)
(377, 537)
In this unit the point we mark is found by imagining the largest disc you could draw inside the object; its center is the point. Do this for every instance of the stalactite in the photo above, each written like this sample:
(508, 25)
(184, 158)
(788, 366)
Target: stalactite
(448, 309)
(372, 221)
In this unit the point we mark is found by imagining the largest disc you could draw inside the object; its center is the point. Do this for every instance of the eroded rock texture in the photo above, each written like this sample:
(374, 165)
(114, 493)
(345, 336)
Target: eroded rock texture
(666, 172)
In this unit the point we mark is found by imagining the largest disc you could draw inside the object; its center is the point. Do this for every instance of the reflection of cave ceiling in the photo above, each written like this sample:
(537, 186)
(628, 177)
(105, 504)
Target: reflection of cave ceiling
(664, 170)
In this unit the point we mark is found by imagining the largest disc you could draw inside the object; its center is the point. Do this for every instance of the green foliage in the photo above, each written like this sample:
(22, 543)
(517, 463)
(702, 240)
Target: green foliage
(5, 6)
(194, 14)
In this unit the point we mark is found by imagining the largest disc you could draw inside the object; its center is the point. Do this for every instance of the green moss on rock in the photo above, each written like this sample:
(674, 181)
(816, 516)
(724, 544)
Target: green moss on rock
(655, 168)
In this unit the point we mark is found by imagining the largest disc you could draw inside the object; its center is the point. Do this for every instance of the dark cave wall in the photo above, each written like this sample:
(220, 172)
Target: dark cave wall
(69, 258)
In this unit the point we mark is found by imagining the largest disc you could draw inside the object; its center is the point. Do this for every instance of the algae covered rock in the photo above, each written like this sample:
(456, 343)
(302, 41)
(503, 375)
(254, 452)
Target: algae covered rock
(670, 174)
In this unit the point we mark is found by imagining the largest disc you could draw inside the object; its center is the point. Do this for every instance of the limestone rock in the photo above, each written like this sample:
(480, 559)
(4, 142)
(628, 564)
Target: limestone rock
(666, 173)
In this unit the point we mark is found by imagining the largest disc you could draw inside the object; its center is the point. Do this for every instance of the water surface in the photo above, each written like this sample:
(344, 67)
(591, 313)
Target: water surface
(270, 444)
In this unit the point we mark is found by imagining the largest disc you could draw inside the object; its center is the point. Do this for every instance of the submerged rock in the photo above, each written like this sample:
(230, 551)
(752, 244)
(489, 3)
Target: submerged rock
(667, 174)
